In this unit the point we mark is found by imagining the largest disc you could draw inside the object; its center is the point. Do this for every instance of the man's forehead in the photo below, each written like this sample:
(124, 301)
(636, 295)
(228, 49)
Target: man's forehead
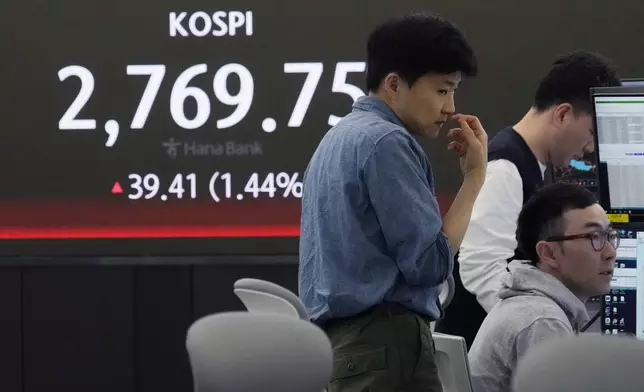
(452, 79)
(448, 80)
(592, 217)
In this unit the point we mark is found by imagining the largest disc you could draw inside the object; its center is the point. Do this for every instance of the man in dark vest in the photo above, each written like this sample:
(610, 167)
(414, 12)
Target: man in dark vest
(557, 128)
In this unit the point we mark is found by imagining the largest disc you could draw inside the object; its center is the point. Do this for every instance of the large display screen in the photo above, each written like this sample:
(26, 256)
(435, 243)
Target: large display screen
(146, 120)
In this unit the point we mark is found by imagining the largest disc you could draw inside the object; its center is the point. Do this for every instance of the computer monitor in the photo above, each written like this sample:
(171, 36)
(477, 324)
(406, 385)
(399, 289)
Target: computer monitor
(622, 309)
(584, 171)
(632, 82)
(619, 143)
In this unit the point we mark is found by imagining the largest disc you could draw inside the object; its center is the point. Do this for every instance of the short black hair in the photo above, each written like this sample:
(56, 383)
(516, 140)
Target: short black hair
(414, 45)
(570, 79)
(542, 215)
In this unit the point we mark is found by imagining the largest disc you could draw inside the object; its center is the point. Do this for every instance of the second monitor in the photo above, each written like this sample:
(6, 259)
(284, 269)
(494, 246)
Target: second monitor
(619, 142)
(623, 307)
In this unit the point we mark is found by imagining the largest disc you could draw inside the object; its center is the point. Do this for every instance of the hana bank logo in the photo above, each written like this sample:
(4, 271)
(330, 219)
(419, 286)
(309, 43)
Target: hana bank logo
(228, 148)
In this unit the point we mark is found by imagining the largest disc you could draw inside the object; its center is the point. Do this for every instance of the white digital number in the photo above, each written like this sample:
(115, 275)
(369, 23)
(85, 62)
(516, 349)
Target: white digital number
(69, 120)
(268, 186)
(176, 187)
(181, 91)
(192, 179)
(136, 185)
(155, 73)
(313, 73)
(243, 99)
(227, 185)
(340, 84)
(149, 183)
(252, 186)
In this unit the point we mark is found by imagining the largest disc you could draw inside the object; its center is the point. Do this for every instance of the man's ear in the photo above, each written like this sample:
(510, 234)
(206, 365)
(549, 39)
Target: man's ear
(562, 114)
(547, 253)
(393, 84)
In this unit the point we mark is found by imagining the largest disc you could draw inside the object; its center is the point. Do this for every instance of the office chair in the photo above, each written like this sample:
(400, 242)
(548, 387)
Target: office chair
(582, 363)
(451, 351)
(452, 363)
(248, 352)
(262, 296)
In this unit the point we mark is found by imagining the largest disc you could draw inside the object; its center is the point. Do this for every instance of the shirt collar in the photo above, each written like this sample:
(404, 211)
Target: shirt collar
(373, 104)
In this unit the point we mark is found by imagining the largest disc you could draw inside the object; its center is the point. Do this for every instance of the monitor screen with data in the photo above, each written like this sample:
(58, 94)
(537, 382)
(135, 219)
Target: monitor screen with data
(619, 125)
(136, 125)
(623, 308)
(583, 171)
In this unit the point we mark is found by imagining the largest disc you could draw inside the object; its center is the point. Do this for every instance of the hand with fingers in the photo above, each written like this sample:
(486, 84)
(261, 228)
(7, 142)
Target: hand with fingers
(470, 142)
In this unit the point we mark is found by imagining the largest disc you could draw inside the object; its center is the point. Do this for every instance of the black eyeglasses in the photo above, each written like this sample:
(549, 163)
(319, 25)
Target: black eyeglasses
(598, 238)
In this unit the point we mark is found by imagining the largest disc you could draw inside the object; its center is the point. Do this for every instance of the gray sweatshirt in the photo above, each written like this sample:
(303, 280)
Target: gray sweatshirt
(534, 307)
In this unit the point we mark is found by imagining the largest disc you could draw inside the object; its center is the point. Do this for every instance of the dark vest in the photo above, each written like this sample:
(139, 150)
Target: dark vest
(464, 315)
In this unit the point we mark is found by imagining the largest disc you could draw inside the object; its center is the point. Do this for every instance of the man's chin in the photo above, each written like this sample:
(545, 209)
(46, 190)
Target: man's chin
(601, 290)
(432, 132)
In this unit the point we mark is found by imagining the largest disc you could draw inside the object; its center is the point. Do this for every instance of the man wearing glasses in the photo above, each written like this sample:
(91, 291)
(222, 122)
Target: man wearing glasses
(571, 250)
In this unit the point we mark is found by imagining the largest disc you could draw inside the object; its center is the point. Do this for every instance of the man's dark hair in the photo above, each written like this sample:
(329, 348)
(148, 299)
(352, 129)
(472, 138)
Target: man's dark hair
(571, 78)
(542, 215)
(415, 45)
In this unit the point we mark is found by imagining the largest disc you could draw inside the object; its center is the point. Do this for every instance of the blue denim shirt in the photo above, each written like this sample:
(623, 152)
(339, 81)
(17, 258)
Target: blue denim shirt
(371, 229)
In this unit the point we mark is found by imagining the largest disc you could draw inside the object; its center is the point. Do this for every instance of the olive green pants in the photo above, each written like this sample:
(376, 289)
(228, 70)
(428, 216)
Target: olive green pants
(386, 349)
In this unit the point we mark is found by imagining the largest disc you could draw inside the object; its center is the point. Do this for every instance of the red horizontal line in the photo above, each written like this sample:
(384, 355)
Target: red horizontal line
(71, 213)
(23, 233)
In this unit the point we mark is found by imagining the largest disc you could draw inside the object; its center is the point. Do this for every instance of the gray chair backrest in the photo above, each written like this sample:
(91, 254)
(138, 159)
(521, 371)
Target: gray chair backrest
(267, 297)
(583, 363)
(248, 352)
(453, 365)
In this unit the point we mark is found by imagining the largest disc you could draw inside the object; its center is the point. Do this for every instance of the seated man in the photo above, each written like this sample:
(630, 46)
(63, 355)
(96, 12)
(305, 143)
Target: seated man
(571, 248)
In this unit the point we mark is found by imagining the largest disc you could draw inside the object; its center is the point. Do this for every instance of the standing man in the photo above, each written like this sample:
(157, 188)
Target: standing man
(557, 128)
(374, 250)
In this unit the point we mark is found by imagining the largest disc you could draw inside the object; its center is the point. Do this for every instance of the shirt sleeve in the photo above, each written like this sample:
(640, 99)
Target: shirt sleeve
(538, 332)
(490, 239)
(401, 194)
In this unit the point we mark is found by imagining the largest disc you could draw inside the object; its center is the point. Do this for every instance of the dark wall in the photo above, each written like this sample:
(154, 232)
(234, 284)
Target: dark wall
(100, 328)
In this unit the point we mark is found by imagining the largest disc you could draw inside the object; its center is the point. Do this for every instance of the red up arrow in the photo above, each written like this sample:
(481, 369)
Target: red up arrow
(116, 188)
